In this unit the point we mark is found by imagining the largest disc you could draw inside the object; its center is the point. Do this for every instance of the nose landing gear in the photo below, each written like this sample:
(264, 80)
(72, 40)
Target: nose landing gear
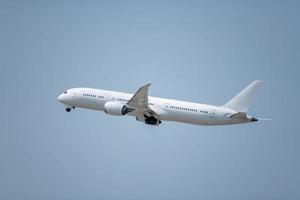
(69, 109)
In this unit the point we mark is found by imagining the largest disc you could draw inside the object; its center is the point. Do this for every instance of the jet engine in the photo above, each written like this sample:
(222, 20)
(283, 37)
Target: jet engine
(116, 108)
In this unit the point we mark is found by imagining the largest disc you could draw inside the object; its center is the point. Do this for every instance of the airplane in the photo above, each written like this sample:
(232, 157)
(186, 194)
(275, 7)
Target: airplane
(153, 110)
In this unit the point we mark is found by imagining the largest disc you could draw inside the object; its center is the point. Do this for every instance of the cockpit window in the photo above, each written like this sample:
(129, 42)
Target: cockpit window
(65, 92)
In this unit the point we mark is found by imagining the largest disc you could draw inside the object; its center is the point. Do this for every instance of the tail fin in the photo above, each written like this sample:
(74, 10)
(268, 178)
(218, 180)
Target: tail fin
(241, 102)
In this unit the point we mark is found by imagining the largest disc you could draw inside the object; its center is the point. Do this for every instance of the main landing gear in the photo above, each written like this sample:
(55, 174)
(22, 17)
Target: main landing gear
(69, 109)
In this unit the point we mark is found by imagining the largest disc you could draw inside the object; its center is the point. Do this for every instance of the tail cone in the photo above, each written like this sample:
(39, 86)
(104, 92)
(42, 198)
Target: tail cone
(253, 119)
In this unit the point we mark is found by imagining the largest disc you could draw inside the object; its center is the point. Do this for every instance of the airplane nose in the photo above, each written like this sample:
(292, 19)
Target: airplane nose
(60, 98)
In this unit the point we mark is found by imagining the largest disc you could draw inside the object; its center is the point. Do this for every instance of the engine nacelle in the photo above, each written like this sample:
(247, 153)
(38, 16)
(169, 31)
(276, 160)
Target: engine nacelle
(115, 108)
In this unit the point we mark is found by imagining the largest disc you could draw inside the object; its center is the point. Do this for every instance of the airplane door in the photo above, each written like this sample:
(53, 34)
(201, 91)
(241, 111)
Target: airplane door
(167, 106)
(74, 95)
(212, 114)
(102, 99)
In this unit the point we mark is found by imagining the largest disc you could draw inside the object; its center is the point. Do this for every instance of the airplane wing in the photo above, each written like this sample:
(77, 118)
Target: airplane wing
(139, 102)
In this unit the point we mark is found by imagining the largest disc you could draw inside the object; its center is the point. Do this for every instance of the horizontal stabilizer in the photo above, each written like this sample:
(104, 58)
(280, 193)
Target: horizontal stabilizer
(238, 115)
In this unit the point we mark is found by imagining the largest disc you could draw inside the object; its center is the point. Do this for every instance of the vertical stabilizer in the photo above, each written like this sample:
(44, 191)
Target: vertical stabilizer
(241, 102)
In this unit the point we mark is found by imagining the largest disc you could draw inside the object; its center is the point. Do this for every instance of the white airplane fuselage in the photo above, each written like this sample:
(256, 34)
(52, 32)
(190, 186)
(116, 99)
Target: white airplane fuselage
(166, 109)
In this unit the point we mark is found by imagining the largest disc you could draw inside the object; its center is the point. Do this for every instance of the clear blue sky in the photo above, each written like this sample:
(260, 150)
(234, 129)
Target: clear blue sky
(201, 51)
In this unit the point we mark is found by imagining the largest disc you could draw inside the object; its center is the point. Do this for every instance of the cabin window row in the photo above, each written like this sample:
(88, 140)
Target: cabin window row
(203, 111)
(122, 99)
(181, 108)
(89, 95)
(188, 109)
(92, 95)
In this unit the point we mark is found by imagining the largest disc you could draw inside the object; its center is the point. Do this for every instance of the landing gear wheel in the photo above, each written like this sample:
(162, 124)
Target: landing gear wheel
(68, 109)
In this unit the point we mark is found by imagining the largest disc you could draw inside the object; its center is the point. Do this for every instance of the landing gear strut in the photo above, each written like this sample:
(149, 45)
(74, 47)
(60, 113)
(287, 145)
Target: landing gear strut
(151, 120)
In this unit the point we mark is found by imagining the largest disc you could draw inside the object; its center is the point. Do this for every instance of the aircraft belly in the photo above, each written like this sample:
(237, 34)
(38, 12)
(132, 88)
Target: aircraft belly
(198, 119)
(89, 104)
(192, 118)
